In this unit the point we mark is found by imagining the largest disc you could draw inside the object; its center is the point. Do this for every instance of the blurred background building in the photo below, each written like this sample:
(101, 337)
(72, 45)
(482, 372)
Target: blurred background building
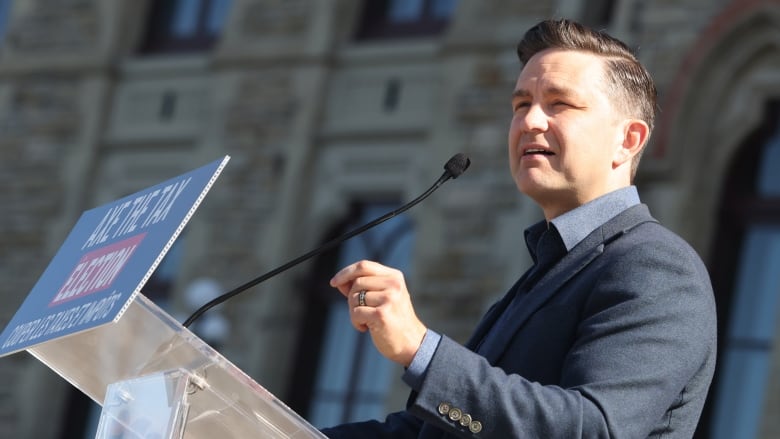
(336, 111)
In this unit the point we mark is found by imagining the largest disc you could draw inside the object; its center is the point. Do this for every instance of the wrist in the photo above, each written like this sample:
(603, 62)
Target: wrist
(416, 341)
(415, 373)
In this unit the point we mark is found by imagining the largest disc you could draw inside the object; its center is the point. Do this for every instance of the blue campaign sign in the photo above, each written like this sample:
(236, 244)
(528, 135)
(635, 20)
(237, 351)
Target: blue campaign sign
(106, 259)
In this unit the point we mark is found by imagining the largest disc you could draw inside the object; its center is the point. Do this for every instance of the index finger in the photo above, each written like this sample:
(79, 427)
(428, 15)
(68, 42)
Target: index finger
(346, 276)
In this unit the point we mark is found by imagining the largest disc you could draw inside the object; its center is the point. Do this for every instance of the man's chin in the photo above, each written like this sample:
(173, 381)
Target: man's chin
(532, 187)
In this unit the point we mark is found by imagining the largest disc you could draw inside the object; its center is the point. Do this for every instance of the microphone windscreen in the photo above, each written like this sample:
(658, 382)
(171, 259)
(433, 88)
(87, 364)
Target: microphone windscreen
(457, 164)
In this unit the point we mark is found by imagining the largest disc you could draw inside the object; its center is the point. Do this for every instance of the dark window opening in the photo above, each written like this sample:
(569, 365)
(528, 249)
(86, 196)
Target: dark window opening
(339, 375)
(184, 25)
(5, 15)
(743, 268)
(385, 19)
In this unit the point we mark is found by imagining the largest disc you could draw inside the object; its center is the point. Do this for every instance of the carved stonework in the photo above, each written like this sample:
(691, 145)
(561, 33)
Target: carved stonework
(263, 109)
(49, 25)
(276, 17)
(39, 119)
(41, 106)
(257, 125)
(471, 230)
(501, 9)
(481, 111)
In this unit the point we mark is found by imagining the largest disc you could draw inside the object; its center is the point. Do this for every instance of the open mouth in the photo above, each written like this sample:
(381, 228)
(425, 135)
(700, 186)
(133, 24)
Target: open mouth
(533, 151)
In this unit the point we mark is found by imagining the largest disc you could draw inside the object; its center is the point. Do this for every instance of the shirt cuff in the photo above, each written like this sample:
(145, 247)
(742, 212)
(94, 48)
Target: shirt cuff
(415, 373)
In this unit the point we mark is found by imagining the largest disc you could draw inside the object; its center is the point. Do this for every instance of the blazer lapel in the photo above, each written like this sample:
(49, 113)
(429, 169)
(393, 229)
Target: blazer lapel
(572, 263)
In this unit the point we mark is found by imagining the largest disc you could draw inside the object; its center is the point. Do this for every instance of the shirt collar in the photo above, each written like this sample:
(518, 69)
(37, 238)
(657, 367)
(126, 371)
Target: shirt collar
(574, 225)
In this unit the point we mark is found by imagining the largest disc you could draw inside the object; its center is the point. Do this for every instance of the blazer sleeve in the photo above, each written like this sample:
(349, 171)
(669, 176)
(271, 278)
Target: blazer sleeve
(400, 425)
(645, 332)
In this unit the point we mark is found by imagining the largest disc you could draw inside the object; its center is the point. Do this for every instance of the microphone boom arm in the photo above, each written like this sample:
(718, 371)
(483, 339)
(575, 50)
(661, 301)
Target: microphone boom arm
(451, 171)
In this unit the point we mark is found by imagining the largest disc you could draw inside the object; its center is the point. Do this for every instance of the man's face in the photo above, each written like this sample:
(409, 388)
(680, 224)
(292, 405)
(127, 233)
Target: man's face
(565, 131)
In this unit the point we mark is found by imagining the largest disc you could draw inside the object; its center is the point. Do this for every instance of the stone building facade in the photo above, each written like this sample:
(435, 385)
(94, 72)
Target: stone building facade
(327, 119)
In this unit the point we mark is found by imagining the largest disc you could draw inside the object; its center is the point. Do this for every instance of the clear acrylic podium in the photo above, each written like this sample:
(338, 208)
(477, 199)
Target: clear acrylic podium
(157, 380)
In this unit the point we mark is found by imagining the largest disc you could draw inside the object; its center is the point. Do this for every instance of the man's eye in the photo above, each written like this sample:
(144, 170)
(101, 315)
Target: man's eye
(521, 105)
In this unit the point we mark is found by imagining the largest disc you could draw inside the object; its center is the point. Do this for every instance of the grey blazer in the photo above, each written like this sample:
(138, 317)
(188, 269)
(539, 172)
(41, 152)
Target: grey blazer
(617, 340)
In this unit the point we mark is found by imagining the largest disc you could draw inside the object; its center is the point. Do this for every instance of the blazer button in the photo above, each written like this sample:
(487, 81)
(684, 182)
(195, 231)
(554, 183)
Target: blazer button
(444, 408)
(465, 420)
(455, 414)
(475, 427)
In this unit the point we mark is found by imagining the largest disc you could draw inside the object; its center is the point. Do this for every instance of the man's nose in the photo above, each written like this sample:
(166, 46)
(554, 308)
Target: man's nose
(535, 119)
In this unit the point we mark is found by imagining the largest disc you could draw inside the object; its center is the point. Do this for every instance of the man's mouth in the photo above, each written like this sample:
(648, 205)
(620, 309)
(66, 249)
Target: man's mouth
(532, 151)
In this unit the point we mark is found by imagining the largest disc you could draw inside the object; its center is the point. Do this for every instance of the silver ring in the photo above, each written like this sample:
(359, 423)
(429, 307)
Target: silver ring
(362, 298)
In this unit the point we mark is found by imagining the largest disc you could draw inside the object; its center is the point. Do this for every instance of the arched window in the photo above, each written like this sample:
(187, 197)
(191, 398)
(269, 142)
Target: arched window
(747, 286)
(340, 376)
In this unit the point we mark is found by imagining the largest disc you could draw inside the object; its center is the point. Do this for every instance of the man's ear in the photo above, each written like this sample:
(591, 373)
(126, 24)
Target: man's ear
(635, 134)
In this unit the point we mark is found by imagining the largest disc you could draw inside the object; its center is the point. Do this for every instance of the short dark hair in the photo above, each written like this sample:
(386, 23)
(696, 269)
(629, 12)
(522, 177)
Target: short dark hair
(629, 83)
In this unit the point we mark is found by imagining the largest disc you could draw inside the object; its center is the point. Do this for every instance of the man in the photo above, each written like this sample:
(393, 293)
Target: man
(612, 332)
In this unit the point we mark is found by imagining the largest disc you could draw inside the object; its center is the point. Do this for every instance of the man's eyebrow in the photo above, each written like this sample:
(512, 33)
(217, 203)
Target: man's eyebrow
(521, 93)
(560, 91)
(549, 91)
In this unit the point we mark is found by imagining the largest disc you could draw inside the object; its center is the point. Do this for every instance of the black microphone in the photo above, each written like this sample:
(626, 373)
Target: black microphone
(452, 169)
